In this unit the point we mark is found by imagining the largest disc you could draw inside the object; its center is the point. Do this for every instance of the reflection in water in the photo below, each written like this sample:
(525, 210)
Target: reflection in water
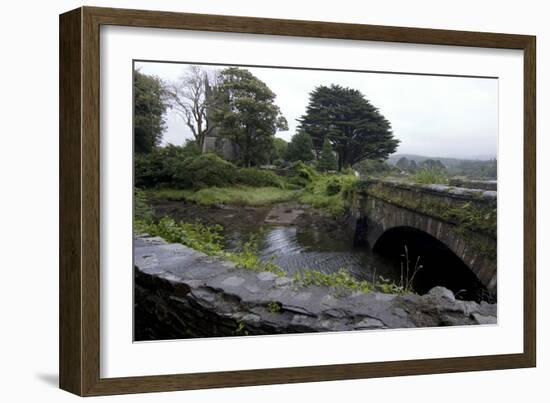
(295, 249)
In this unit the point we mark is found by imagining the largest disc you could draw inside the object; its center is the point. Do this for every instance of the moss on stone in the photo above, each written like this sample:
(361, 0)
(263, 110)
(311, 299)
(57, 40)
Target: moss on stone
(467, 215)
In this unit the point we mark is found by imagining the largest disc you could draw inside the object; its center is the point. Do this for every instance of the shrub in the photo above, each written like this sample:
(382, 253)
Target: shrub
(161, 166)
(150, 170)
(334, 186)
(209, 170)
(302, 174)
(206, 239)
(258, 178)
(329, 192)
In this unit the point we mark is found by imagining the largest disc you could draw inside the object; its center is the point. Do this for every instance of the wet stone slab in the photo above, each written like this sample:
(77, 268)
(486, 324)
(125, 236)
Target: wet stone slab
(182, 293)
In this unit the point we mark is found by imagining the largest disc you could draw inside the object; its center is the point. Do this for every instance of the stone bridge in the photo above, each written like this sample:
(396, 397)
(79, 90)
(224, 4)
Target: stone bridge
(460, 219)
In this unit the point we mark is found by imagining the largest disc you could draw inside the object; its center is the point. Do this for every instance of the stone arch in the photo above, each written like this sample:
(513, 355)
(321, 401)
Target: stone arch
(430, 261)
(379, 216)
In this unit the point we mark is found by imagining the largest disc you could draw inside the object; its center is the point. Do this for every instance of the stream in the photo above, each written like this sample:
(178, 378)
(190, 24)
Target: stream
(292, 236)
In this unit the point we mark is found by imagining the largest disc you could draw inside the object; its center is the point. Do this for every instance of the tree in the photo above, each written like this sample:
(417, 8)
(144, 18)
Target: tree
(403, 164)
(374, 168)
(150, 105)
(300, 148)
(279, 149)
(327, 160)
(432, 164)
(194, 97)
(247, 115)
(356, 129)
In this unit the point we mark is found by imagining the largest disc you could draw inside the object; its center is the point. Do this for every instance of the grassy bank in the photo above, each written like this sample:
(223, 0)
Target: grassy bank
(328, 192)
(236, 195)
(209, 240)
(325, 192)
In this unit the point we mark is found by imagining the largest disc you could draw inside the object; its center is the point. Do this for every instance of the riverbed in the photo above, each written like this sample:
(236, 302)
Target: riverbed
(293, 236)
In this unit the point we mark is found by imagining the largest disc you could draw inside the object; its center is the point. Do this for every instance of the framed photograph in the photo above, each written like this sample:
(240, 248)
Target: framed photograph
(248, 201)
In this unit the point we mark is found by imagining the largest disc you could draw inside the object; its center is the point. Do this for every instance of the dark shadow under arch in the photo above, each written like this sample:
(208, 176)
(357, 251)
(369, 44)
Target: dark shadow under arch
(440, 265)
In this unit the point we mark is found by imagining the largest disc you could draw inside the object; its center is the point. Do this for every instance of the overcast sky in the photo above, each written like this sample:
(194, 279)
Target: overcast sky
(431, 115)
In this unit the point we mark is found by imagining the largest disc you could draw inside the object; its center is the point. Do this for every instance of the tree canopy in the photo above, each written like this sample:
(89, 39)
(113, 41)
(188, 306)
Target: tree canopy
(355, 128)
(327, 160)
(300, 148)
(150, 105)
(247, 114)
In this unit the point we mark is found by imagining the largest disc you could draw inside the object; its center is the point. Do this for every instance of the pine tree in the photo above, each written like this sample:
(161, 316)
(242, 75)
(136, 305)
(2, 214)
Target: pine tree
(355, 128)
(327, 160)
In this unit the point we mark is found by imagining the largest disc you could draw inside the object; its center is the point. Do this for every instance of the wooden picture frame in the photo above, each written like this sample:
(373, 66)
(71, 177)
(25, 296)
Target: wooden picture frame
(79, 279)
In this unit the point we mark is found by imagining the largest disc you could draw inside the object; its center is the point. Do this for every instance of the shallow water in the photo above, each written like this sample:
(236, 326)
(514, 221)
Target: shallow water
(312, 242)
(295, 248)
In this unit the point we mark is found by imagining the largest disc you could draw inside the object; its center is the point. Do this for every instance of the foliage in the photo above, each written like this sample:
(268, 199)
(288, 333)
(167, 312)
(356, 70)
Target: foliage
(209, 240)
(301, 174)
(162, 164)
(467, 215)
(274, 307)
(208, 170)
(142, 210)
(185, 168)
(300, 148)
(235, 195)
(476, 169)
(279, 150)
(334, 186)
(370, 167)
(356, 129)
(327, 159)
(241, 329)
(150, 105)
(430, 176)
(404, 164)
(328, 192)
(248, 258)
(258, 178)
(206, 239)
(247, 114)
(341, 279)
(241, 196)
(432, 164)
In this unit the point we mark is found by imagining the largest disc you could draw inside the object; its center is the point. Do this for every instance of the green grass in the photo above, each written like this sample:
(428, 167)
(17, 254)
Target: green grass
(321, 191)
(169, 194)
(236, 195)
(430, 176)
(206, 239)
(328, 192)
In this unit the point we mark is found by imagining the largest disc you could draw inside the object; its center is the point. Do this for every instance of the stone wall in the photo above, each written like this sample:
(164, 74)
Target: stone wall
(473, 184)
(182, 293)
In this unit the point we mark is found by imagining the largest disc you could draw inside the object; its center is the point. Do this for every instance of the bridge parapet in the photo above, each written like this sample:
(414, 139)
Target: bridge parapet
(465, 220)
(473, 209)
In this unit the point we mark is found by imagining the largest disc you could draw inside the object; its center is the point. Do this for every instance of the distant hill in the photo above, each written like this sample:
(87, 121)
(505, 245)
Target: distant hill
(448, 162)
